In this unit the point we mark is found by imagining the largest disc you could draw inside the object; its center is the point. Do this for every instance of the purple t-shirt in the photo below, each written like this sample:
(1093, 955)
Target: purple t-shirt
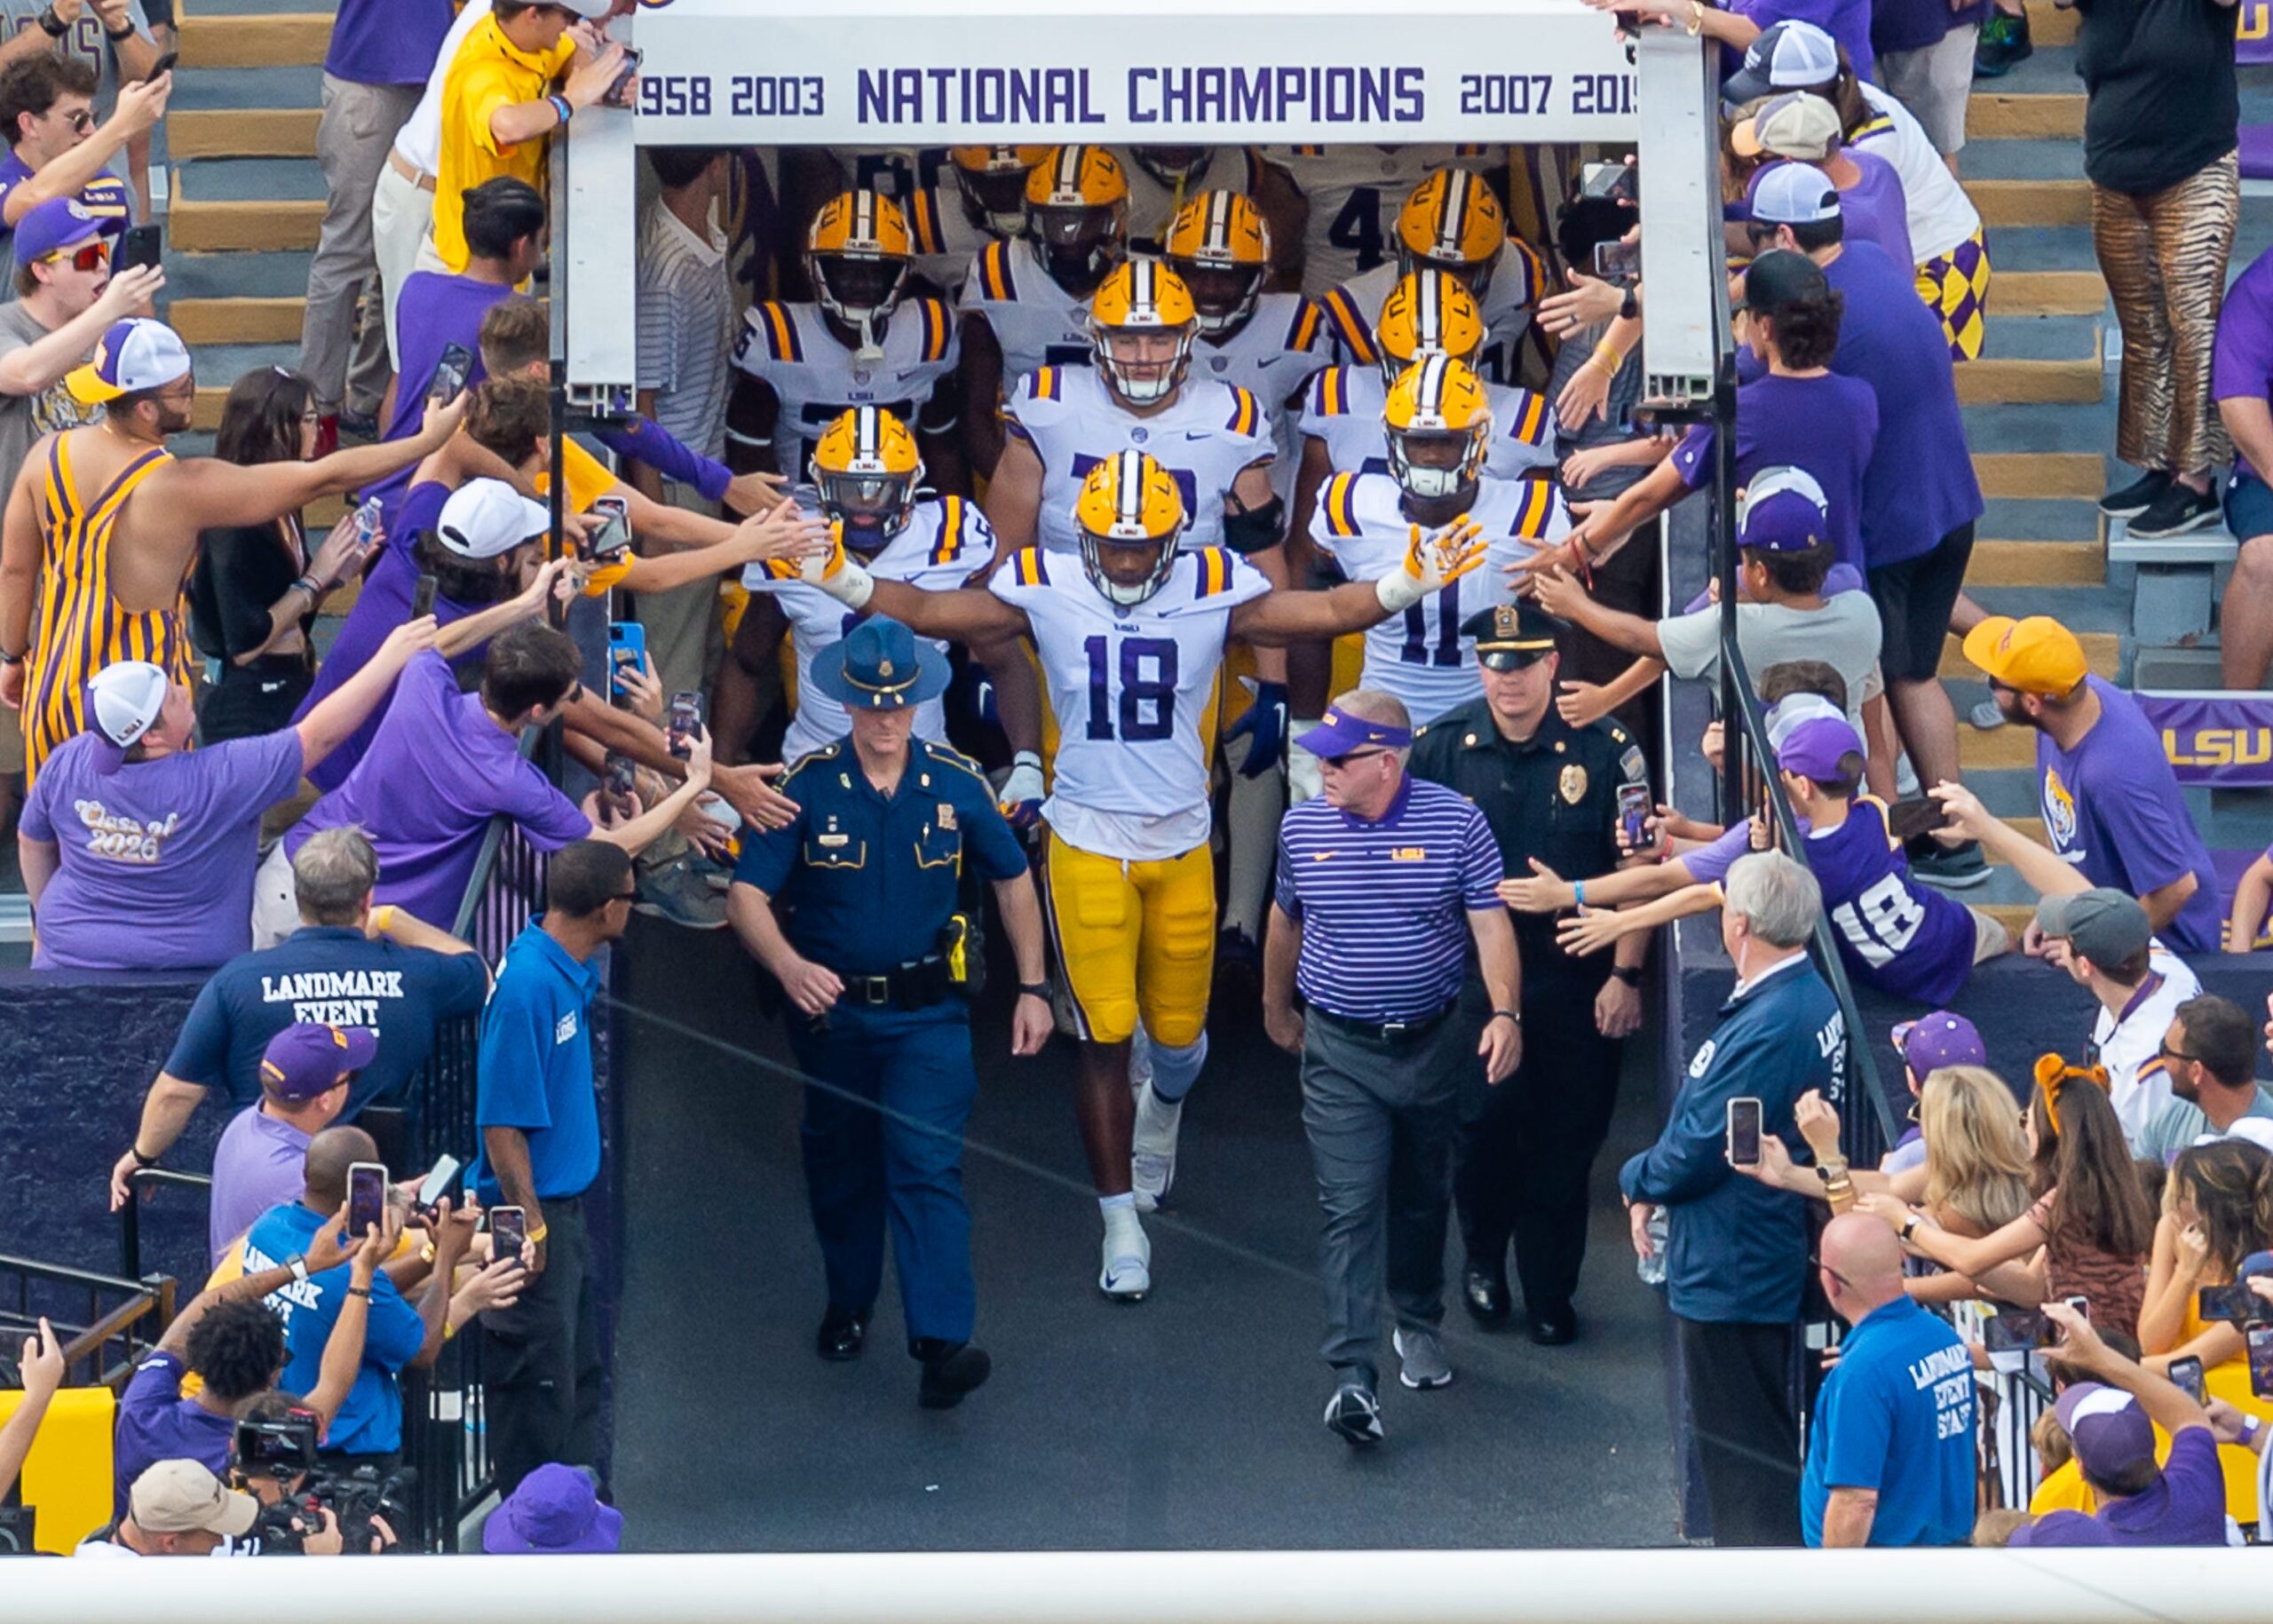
(261, 1162)
(436, 310)
(1709, 864)
(383, 605)
(158, 857)
(1827, 425)
(1905, 939)
(1874, 210)
(2242, 364)
(156, 1423)
(387, 42)
(106, 197)
(1847, 22)
(2186, 1506)
(2113, 808)
(438, 772)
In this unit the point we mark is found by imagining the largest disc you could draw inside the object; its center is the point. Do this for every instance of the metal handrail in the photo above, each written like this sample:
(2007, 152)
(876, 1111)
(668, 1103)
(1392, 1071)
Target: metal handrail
(141, 1299)
(130, 1217)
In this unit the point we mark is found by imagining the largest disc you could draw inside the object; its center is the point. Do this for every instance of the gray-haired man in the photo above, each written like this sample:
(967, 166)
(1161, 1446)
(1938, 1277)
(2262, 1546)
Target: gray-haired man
(349, 964)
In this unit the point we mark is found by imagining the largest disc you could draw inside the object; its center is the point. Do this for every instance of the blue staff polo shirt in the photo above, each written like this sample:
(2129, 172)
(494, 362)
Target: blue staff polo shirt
(370, 1421)
(536, 1068)
(1897, 1415)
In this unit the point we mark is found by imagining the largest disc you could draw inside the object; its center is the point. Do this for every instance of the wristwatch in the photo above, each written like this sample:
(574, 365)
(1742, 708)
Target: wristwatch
(1831, 1172)
(298, 1264)
(1910, 1226)
(52, 26)
(1630, 974)
(117, 35)
(1513, 1015)
(1630, 306)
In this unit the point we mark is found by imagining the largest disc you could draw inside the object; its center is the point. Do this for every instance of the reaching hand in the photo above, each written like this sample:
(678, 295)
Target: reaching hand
(1964, 818)
(1020, 797)
(786, 531)
(1590, 302)
(1585, 394)
(1264, 727)
(640, 689)
(1545, 892)
(41, 1368)
(1891, 1210)
(1584, 464)
(747, 789)
(408, 639)
(1591, 930)
(1559, 592)
(1818, 1120)
(496, 1285)
(755, 492)
(142, 104)
(1435, 559)
(132, 292)
(2080, 1343)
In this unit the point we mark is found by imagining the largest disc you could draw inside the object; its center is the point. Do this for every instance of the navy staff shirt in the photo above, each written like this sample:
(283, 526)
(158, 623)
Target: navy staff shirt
(868, 879)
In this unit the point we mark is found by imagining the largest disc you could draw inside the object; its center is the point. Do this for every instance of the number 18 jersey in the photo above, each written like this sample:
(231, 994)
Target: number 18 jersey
(1133, 689)
(1420, 656)
(1898, 935)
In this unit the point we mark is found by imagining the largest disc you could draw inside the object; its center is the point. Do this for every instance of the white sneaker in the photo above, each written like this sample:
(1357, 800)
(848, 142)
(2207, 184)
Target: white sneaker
(1128, 1272)
(1152, 1165)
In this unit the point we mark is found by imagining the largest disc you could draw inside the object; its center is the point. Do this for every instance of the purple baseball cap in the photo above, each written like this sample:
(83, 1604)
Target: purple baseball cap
(304, 1060)
(1784, 510)
(51, 226)
(1814, 748)
(1935, 1040)
(2111, 1433)
(554, 1512)
(1340, 733)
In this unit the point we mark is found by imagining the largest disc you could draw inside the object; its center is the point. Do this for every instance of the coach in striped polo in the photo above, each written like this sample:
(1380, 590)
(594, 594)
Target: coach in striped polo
(1382, 880)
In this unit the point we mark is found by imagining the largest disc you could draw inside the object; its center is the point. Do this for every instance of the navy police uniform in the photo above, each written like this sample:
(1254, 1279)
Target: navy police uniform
(1526, 1147)
(869, 884)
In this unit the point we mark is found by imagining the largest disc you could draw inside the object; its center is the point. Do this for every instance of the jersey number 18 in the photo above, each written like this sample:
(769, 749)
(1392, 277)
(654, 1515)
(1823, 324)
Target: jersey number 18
(1147, 707)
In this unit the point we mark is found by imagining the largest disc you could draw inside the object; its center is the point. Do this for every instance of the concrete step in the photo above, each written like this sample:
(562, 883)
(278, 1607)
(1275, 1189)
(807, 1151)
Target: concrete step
(1999, 749)
(2036, 564)
(238, 320)
(2061, 475)
(2030, 426)
(2049, 25)
(2040, 338)
(1989, 382)
(223, 226)
(1997, 115)
(287, 39)
(2104, 650)
(255, 8)
(2045, 293)
(2041, 519)
(275, 274)
(269, 132)
(2043, 248)
(2031, 203)
(228, 89)
(255, 180)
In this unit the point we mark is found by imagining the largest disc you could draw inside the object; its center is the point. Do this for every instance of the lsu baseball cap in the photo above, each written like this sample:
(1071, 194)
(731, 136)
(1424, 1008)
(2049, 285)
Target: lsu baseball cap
(125, 699)
(2035, 655)
(1789, 56)
(1783, 511)
(1510, 636)
(1935, 1040)
(1790, 194)
(52, 226)
(132, 355)
(2105, 925)
(185, 1497)
(308, 1057)
(484, 518)
(1795, 125)
(1817, 746)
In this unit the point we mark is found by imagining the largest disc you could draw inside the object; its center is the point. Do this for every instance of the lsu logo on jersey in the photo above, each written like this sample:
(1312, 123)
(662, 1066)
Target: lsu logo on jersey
(2060, 814)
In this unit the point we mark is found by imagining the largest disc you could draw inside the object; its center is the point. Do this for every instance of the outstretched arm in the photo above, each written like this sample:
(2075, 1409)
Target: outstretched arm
(210, 494)
(1432, 561)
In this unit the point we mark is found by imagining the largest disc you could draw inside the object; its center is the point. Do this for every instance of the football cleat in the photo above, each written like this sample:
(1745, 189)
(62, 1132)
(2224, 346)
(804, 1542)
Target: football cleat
(1151, 1162)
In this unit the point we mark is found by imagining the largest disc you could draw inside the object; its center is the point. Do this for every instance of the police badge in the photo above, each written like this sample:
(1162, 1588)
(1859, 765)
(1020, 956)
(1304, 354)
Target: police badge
(1573, 784)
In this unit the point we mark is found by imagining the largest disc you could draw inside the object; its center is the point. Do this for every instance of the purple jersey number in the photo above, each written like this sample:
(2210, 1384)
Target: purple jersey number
(1140, 690)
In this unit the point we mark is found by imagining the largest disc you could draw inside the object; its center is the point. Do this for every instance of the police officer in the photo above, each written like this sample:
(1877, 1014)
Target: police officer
(873, 958)
(1550, 791)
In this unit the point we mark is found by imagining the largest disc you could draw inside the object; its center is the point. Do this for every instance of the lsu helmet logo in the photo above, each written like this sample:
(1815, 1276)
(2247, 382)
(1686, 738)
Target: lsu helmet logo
(2059, 812)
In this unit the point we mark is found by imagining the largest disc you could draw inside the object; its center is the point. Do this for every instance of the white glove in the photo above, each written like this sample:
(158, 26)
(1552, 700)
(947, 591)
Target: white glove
(1020, 796)
(1431, 562)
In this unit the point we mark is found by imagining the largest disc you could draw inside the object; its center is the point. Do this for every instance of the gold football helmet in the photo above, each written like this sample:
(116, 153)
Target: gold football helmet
(1077, 212)
(867, 467)
(1428, 312)
(1220, 246)
(993, 180)
(1438, 420)
(857, 255)
(1451, 222)
(1142, 321)
(1129, 512)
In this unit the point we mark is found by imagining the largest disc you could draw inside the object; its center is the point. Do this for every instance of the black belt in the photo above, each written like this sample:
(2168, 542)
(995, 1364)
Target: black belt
(917, 986)
(1385, 1030)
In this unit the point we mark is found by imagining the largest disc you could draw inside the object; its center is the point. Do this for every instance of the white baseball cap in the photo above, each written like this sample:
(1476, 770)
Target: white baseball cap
(125, 699)
(484, 518)
(1794, 708)
(132, 355)
(591, 11)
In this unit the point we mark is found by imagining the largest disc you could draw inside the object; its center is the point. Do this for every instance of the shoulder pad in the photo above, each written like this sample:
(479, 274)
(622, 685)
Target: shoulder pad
(1354, 332)
(776, 330)
(992, 278)
(1338, 503)
(1043, 384)
(938, 328)
(923, 212)
(1330, 393)
(1246, 417)
(1303, 333)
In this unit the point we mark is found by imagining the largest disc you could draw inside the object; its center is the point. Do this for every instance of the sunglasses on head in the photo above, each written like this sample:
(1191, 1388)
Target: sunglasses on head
(86, 256)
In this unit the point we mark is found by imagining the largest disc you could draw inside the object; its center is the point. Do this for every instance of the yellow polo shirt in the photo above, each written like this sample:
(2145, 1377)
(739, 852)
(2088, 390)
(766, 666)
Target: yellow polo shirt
(489, 72)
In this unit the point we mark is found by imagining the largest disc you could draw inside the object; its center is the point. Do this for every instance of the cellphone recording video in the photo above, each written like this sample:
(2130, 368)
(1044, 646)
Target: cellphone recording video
(143, 245)
(2236, 1304)
(1616, 180)
(1743, 1133)
(2186, 1374)
(508, 1230)
(366, 1199)
(438, 1184)
(1633, 809)
(450, 373)
(2008, 1329)
(1620, 263)
(685, 721)
(623, 779)
(615, 534)
(2260, 1360)
(422, 597)
(164, 66)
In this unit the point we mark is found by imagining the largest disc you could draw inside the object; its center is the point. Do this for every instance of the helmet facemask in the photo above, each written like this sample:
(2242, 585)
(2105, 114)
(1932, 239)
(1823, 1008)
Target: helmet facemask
(1172, 166)
(1224, 295)
(871, 506)
(1434, 464)
(995, 199)
(1079, 242)
(1133, 588)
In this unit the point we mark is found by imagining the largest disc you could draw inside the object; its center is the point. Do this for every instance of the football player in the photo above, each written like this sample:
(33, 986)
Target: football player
(1351, 194)
(1163, 181)
(869, 475)
(1130, 628)
(858, 344)
(985, 204)
(1451, 222)
(1025, 301)
(1438, 422)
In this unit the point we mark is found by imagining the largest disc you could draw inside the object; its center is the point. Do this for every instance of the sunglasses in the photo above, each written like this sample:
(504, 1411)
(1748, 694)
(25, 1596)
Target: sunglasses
(626, 897)
(1343, 761)
(80, 119)
(86, 256)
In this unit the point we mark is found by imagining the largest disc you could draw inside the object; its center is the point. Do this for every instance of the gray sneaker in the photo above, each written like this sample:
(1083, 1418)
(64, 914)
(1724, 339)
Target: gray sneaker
(1354, 1415)
(1986, 715)
(1422, 1352)
(676, 892)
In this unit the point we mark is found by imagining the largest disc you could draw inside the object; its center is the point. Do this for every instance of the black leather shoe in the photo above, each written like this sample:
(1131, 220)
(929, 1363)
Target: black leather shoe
(841, 1335)
(1555, 1330)
(1485, 1292)
(950, 1370)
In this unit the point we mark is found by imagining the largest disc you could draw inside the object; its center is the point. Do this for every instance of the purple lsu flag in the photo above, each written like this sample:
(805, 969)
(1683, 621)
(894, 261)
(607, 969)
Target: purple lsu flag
(2253, 34)
(2219, 739)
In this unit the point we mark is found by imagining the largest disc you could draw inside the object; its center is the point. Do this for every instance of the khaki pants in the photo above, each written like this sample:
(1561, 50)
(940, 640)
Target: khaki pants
(402, 212)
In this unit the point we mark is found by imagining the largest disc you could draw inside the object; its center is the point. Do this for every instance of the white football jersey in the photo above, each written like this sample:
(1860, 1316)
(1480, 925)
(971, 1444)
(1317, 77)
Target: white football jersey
(1153, 206)
(1281, 347)
(789, 348)
(1421, 655)
(1342, 407)
(1036, 322)
(1518, 283)
(1204, 438)
(1133, 689)
(897, 172)
(945, 540)
(946, 238)
(1355, 193)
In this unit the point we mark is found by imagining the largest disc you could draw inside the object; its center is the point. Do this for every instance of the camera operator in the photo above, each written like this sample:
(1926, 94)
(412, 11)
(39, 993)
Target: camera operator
(304, 1512)
(177, 1509)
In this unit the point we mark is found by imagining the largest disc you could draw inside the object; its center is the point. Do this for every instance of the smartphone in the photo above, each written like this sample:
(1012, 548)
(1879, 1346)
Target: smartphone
(1619, 263)
(422, 597)
(366, 1199)
(623, 774)
(164, 66)
(632, 58)
(2260, 1360)
(2015, 1330)
(615, 534)
(2236, 1304)
(437, 1183)
(686, 721)
(143, 245)
(450, 373)
(508, 1228)
(1633, 809)
(627, 647)
(2187, 1375)
(1743, 1133)
(1609, 180)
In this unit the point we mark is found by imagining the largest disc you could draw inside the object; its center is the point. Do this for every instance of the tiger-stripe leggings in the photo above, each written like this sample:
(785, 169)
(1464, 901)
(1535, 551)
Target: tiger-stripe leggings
(2164, 254)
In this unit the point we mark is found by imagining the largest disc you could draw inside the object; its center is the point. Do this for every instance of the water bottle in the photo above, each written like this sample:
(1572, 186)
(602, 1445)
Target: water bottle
(1651, 1270)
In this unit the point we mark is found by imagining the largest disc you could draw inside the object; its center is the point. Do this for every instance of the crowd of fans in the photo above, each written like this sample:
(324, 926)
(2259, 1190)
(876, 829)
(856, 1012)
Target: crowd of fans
(1426, 439)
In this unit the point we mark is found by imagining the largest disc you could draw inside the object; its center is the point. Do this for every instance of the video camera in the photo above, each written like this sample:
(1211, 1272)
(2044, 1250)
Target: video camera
(284, 1452)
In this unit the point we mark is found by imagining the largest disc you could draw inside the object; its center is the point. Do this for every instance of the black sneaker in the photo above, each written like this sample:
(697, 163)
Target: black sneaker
(1949, 868)
(2003, 45)
(2177, 511)
(1353, 1415)
(2136, 497)
(951, 1369)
